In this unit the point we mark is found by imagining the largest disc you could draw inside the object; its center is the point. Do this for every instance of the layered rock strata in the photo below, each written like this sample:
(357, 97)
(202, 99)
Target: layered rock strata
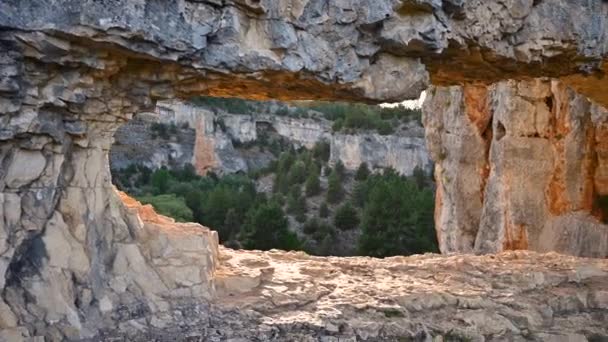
(72, 71)
(520, 165)
(208, 140)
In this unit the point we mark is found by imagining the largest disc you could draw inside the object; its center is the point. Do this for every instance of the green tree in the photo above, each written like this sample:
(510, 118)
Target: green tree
(323, 210)
(194, 200)
(362, 172)
(297, 173)
(340, 169)
(321, 151)
(286, 159)
(313, 185)
(335, 192)
(420, 177)
(216, 206)
(160, 180)
(296, 204)
(266, 228)
(346, 217)
(397, 218)
(281, 184)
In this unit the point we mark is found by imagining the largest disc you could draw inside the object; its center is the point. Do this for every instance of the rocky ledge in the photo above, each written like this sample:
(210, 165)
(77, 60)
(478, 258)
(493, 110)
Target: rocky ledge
(280, 296)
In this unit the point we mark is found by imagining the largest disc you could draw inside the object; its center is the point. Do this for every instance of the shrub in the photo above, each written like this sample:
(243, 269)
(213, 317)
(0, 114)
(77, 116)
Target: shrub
(169, 205)
(362, 172)
(346, 217)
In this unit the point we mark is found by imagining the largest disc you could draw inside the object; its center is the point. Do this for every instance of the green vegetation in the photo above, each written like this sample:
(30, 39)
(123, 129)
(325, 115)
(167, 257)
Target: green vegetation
(346, 117)
(346, 217)
(394, 213)
(312, 206)
(266, 228)
(323, 210)
(335, 191)
(362, 172)
(356, 116)
(313, 185)
(169, 205)
(230, 105)
(397, 217)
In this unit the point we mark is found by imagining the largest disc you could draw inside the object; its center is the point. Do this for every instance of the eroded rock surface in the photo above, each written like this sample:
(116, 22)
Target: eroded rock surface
(75, 263)
(514, 296)
(520, 165)
(209, 140)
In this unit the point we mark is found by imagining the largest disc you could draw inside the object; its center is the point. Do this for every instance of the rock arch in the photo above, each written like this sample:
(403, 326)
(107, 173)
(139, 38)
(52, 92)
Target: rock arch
(78, 263)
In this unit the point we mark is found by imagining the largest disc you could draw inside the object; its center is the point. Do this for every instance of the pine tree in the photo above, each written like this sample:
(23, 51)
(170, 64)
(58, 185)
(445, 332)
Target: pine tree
(362, 172)
(313, 185)
(335, 192)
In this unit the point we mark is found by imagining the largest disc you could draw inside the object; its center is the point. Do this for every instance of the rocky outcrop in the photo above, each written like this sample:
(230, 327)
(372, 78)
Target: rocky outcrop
(72, 71)
(138, 143)
(217, 133)
(519, 166)
(402, 151)
(278, 296)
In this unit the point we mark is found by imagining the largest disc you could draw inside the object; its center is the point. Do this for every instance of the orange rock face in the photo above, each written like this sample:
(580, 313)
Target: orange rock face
(204, 153)
(542, 176)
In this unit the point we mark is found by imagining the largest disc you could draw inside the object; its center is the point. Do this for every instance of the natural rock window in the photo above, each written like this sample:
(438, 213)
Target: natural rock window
(216, 160)
(81, 261)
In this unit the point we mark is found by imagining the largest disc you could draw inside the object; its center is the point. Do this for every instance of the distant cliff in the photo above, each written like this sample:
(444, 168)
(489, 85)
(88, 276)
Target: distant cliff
(214, 140)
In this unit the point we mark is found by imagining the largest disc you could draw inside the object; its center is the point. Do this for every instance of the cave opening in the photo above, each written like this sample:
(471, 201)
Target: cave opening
(272, 174)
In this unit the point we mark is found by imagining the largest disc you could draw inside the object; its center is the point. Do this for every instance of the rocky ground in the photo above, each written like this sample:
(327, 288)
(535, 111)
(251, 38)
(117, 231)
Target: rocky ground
(514, 296)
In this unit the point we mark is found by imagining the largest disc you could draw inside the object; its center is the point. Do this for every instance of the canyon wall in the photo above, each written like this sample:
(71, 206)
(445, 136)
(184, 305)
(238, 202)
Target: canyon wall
(216, 133)
(520, 165)
(78, 264)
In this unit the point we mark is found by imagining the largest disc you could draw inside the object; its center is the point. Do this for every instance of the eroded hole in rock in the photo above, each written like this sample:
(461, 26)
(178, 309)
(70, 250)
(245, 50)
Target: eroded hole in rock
(600, 208)
(549, 103)
(500, 130)
(320, 177)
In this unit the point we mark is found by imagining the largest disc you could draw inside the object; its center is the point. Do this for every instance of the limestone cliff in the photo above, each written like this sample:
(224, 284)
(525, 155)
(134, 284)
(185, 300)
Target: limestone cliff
(520, 165)
(76, 264)
(216, 133)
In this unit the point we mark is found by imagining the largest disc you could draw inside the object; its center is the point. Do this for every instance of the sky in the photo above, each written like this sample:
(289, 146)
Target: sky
(409, 103)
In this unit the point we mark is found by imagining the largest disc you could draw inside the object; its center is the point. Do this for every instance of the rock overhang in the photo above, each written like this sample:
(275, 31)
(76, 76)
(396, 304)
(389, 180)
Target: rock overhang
(72, 71)
(360, 50)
